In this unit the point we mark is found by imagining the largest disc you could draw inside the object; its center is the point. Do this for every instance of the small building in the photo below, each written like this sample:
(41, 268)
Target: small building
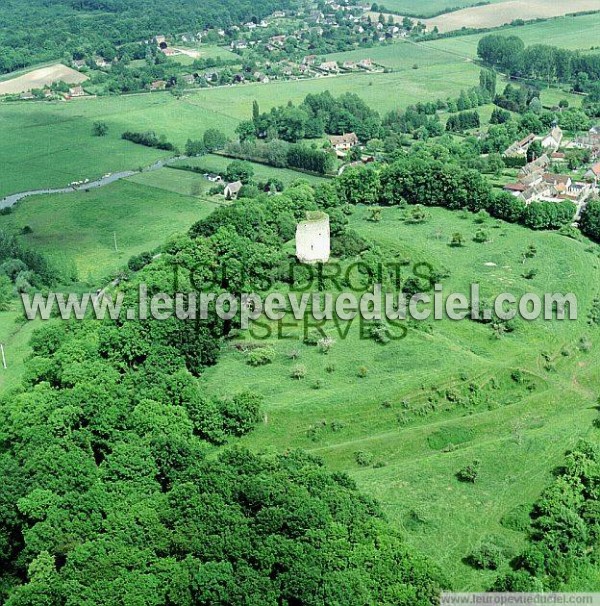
(188, 78)
(593, 174)
(329, 66)
(278, 40)
(27, 96)
(101, 62)
(158, 85)
(519, 148)
(344, 142)
(366, 63)
(76, 91)
(213, 178)
(232, 190)
(78, 63)
(158, 40)
(516, 189)
(313, 239)
(553, 139)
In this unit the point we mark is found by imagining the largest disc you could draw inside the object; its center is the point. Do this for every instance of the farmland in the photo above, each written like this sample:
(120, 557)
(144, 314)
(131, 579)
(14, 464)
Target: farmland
(571, 32)
(428, 8)
(518, 434)
(38, 78)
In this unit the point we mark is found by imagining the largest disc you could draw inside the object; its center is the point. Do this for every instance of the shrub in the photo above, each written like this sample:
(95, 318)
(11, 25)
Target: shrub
(363, 458)
(362, 372)
(487, 556)
(298, 372)
(325, 344)
(469, 473)
(260, 356)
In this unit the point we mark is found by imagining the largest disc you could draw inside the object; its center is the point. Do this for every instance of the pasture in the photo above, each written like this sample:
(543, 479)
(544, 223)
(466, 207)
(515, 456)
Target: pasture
(381, 91)
(449, 393)
(399, 56)
(79, 228)
(218, 164)
(51, 144)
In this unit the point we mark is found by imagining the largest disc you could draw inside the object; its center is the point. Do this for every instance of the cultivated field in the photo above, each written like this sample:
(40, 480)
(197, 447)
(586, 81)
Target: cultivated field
(572, 32)
(39, 78)
(427, 8)
(445, 395)
(501, 13)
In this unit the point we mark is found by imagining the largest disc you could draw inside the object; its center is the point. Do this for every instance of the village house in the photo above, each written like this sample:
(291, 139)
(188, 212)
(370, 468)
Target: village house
(188, 78)
(278, 40)
(342, 143)
(278, 15)
(561, 183)
(158, 40)
(539, 165)
(169, 52)
(78, 63)
(519, 148)
(76, 91)
(213, 178)
(158, 85)
(329, 67)
(553, 139)
(593, 174)
(27, 96)
(239, 45)
(309, 60)
(366, 63)
(349, 65)
(232, 190)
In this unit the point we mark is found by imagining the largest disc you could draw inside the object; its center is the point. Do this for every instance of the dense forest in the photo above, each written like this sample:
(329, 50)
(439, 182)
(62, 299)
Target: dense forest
(41, 30)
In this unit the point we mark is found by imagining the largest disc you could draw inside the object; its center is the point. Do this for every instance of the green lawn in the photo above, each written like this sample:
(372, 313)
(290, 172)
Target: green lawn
(79, 227)
(402, 413)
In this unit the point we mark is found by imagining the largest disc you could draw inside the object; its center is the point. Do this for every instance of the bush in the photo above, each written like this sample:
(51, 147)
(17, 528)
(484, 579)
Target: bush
(298, 372)
(487, 556)
(138, 262)
(469, 473)
(362, 371)
(260, 356)
(363, 458)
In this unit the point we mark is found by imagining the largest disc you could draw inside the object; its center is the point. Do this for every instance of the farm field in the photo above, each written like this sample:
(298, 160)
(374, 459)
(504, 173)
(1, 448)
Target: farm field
(428, 8)
(569, 32)
(51, 144)
(497, 14)
(218, 164)
(402, 414)
(78, 228)
(38, 78)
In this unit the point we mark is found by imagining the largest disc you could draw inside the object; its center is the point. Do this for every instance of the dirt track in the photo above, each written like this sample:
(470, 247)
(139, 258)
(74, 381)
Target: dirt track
(41, 77)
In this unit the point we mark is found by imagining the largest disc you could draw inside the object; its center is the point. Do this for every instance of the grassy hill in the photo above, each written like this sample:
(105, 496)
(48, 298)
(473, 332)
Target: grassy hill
(449, 393)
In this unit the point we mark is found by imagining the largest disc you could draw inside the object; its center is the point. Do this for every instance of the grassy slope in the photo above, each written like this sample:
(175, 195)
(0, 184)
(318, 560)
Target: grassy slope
(79, 227)
(519, 436)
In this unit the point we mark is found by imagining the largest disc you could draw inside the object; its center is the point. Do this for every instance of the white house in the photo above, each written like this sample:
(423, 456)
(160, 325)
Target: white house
(232, 190)
(313, 238)
(553, 139)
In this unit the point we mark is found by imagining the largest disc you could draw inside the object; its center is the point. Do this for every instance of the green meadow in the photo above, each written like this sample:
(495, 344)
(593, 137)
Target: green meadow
(421, 408)
(401, 55)
(51, 144)
(381, 91)
(571, 32)
(218, 164)
(79, 228)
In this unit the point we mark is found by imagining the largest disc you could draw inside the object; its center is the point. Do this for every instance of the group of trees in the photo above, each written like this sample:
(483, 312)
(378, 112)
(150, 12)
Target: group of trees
(149, 139)
(540, 61)
(108, 495)
(463, 121)
(564, 527)
(42, 31)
